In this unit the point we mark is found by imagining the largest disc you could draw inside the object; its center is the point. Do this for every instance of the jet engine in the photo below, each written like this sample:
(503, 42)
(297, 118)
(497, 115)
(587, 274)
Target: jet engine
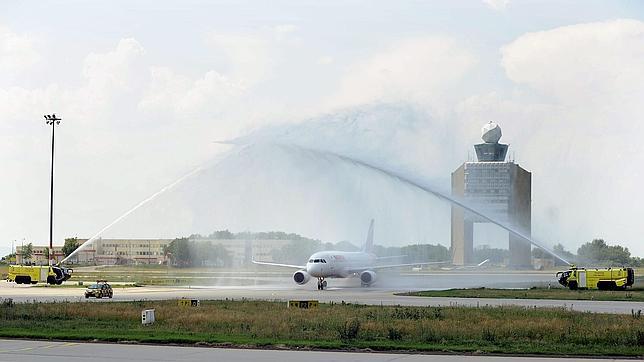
(367, 277)
(301, 277)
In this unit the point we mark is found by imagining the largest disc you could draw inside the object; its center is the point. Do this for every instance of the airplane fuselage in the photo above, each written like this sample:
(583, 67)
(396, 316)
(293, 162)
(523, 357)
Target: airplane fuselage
(339, 264)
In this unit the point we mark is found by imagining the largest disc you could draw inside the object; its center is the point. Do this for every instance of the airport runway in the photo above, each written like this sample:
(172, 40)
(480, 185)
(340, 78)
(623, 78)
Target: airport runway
(35, 351)
(347, 294)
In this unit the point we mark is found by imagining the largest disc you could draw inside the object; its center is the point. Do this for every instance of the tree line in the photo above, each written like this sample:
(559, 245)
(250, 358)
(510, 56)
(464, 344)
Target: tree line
(594, 253)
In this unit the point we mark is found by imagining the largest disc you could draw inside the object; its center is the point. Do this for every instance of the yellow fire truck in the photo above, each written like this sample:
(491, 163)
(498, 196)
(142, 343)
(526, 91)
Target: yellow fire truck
(24, 274)
(596, 278)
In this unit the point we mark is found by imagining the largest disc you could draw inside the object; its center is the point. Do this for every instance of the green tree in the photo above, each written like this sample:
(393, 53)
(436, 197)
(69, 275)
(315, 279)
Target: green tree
(222, 235)
(598, 251)
(179, 252)
(297, 251)
(495, 255)
(562, 252)
(425, 253)
(26, 252)
(70, 245)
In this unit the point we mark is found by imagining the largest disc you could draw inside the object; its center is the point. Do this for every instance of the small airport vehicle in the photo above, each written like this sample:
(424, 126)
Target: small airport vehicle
(32, 274)
(596, 278)
(99, 290)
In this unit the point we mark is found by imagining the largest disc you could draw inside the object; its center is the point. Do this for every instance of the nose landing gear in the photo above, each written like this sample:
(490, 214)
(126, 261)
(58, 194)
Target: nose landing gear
(321, 284)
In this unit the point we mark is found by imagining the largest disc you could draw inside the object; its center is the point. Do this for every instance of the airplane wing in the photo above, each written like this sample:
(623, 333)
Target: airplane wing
(468, 266)
(475, 266)
(280, 265)
(391, 266)
(390, 257)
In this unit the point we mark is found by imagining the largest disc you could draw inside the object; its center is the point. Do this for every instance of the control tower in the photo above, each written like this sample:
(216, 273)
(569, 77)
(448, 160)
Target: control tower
(501, 190)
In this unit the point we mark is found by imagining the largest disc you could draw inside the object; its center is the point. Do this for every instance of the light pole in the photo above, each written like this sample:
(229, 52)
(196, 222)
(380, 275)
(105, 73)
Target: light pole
(51, 119)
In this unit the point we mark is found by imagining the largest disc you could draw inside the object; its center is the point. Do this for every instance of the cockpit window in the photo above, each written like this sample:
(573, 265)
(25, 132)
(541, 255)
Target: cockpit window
(310, 260)
(322, 260)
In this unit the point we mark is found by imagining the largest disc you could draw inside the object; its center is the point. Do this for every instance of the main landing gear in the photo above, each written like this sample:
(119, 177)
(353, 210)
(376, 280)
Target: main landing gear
(321, 284)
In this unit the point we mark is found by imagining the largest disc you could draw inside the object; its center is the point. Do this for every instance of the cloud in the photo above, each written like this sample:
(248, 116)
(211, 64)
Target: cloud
(596, 62)
(17, 52)
(285, 28)
(325, 60)
(572, 119)
(250, 57)
(118, 69)
(184, 99)
(497, 5)
(247, 57)
(420, 69)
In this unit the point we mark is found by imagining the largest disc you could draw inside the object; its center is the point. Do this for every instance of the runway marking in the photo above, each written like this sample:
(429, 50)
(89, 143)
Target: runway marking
(52, 345)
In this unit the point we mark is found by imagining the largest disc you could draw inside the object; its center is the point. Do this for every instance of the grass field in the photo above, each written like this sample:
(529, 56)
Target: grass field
(635, 294)
(262, 324)
(162, 275)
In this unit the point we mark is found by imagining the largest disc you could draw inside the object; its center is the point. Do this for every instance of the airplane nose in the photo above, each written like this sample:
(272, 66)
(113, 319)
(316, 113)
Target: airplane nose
(314, 270)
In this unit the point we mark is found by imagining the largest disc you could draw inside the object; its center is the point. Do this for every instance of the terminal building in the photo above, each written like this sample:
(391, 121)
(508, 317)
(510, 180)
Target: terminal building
(499, 189)
(102, 251)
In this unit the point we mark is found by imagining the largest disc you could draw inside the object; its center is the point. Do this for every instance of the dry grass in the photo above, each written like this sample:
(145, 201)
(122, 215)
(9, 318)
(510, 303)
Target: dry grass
(507, 329)
(635, 294)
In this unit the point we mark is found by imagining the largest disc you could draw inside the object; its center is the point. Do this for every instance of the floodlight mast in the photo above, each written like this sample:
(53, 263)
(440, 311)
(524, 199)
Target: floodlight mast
(53, 121)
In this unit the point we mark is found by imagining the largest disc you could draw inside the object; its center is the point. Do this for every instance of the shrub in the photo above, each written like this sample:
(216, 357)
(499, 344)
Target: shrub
(349, 330)
(394, 334)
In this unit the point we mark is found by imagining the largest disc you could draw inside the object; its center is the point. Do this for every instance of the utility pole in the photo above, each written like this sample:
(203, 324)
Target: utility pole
(51, 120)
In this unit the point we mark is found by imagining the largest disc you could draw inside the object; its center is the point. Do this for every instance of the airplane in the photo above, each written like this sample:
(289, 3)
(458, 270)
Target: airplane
(342, 264)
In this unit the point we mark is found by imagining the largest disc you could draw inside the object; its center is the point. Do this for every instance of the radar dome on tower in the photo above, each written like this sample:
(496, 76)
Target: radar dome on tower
(491, 133)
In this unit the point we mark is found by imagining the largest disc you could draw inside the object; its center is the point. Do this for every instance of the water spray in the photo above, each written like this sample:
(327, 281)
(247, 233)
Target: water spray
(136, 207)
(319, 154)
(420, 185)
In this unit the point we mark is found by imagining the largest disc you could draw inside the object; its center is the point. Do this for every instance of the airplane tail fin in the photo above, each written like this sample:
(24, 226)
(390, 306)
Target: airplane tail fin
(368, 244)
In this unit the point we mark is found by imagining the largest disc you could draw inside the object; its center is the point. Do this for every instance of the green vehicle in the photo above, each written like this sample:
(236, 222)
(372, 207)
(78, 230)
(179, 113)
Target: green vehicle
(99, 290)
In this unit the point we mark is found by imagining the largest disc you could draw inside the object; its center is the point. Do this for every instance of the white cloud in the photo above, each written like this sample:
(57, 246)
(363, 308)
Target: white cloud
(117, 69)
(573, 119)
(184, 99)
(497, 5)
(286, 28)
(247, 57)
(325, 60)
(420, 69)
(17, 52)
(596, 62)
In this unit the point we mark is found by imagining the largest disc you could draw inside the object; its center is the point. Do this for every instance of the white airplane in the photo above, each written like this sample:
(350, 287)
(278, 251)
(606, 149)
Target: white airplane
(342, 264)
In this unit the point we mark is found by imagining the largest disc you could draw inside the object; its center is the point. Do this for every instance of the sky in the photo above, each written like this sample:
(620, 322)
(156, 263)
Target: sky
(146, 88)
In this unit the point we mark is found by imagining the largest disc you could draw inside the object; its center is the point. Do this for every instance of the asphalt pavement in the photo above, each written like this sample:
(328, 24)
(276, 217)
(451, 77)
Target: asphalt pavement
(344, 293)
(36, 351)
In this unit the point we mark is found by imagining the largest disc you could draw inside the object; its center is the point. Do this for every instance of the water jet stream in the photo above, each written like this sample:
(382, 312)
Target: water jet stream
(418, 184)
(136, 207)
(321, 154)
